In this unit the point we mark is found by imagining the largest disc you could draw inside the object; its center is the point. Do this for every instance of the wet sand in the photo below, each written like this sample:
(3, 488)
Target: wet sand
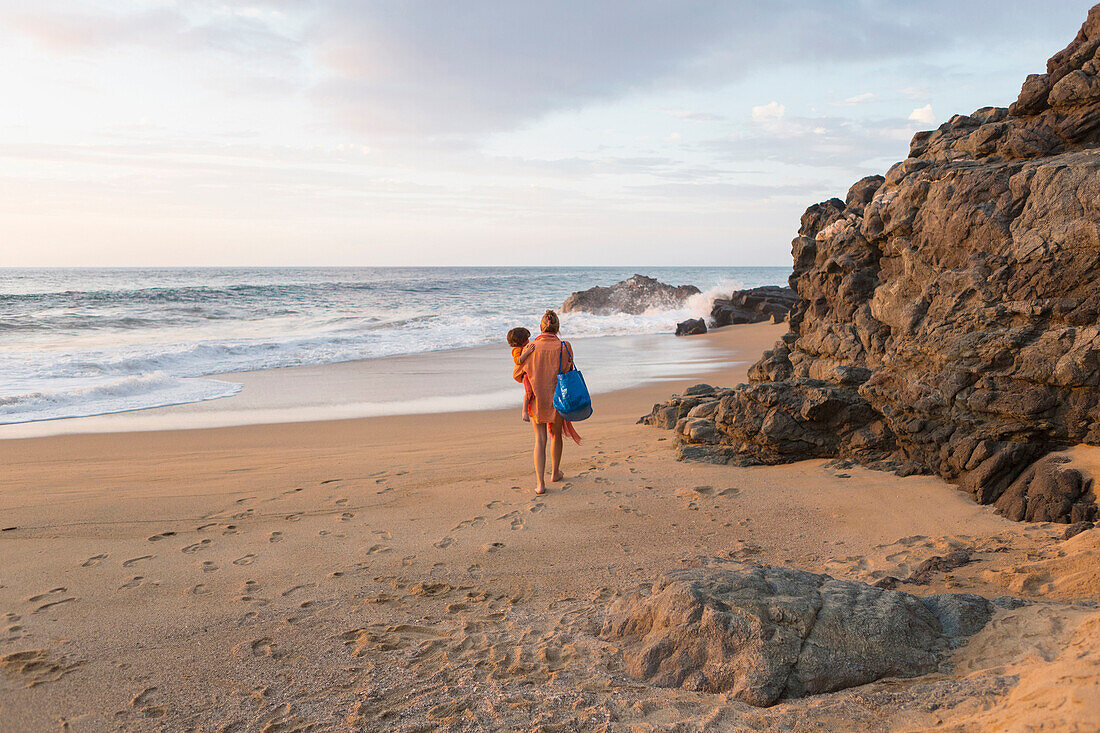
(397, 573)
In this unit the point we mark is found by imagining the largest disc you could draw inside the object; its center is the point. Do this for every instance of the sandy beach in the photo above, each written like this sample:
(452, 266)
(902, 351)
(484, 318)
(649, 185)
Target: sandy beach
(397, 573)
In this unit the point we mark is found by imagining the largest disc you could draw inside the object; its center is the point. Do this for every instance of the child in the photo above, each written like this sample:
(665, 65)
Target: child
(517, 339)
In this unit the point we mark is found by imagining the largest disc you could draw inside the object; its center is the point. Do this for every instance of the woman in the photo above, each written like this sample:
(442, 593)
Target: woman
(542, 359)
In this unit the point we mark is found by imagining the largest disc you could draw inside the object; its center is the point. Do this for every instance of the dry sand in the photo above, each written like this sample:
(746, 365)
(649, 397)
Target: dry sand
(398, 574)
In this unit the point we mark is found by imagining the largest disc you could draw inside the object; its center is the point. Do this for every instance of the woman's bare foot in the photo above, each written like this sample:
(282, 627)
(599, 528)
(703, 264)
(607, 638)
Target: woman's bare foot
(559, 476)
(540, 489)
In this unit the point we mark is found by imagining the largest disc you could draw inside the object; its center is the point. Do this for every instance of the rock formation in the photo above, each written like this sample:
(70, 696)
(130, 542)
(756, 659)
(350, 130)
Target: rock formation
(763, 633)
(947, 314)
(634, 296)
(691, 327)
(767, 303)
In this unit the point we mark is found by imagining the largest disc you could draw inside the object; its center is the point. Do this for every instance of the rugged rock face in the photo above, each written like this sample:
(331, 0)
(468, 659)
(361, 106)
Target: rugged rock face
(947, 314)
(634, 296)
(763, 633)
(767, 303)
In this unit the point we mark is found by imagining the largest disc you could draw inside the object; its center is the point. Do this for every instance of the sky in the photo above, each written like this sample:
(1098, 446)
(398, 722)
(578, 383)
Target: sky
(405, 132)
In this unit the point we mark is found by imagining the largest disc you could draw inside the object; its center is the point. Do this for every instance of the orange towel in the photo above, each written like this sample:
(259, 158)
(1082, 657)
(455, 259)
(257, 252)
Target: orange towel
(541, 371)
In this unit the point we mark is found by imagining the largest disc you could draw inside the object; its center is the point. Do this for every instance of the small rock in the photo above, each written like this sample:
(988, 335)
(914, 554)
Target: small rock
(691, 327)
(938, 564)
(1077, 528)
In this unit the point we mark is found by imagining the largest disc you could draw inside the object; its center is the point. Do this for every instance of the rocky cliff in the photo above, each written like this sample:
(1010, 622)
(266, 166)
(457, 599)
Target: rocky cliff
(947, 314)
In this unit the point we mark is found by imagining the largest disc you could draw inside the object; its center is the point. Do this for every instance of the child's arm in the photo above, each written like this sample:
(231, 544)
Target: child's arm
(527, 351)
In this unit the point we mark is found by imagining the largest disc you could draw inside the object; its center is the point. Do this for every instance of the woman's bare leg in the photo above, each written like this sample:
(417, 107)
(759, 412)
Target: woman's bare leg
(540, 457)
(555, 451)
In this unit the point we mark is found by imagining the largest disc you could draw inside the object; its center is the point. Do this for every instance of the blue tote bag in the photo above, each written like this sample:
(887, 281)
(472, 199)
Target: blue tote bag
(571, 398)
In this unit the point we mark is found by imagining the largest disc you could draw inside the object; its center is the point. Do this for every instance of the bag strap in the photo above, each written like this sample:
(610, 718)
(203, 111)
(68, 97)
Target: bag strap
(561, 351)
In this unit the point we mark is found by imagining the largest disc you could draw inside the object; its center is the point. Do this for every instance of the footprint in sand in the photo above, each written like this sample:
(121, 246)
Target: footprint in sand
(468, 523)
(246, 560)
(293, 517)
(346, 516)
(52, 593)
(94, 560)
(341, 502)
(142, 702)
(248, 588)
(262, 647)
(329, 481)
(161, 536)
(196, 547)
(275, 537)
(204, 527)
(537, 508)
(247, 498)
(51, 604)
(134, 582)
(444, 543)
(384, 534)
(209, 567)
(198, 590)
(297, 588)
(385, 490)
(492, 546)
(377, 549)
(407, 561)
(230, 529)
(518, 523)
(494, 504)
(135, 560)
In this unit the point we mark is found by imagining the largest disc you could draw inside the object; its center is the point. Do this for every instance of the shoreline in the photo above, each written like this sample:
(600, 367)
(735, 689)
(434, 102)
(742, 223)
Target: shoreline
(407, 384)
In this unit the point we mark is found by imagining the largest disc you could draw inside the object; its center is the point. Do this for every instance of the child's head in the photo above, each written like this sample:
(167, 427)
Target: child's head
(518, 337)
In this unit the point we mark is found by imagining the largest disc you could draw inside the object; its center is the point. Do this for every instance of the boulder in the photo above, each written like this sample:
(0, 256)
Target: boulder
(761, 633)
(960, 614)
(1077, 528)
(946, 315)
(691, 327)
(1049, 491)
(634, 296)
(767, 303)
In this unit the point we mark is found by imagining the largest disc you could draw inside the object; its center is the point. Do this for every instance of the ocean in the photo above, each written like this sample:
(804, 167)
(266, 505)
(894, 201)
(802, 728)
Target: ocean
(82, 342)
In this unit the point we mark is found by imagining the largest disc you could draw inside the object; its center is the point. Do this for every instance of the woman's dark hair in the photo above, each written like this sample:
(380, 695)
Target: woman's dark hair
(550, 322)
(519, 336)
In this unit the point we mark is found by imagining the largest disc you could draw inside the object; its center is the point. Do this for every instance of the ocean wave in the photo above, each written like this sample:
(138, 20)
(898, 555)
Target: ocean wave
(57, 399)
(86, 348)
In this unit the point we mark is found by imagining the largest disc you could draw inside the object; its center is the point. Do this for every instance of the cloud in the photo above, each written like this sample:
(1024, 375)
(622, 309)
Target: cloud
(80, 29)
(923, 115)
(857, 99)
(914, 92)
(471, 68)
(480, 66)
(695, 116)
(768, 113)
(831, 142)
